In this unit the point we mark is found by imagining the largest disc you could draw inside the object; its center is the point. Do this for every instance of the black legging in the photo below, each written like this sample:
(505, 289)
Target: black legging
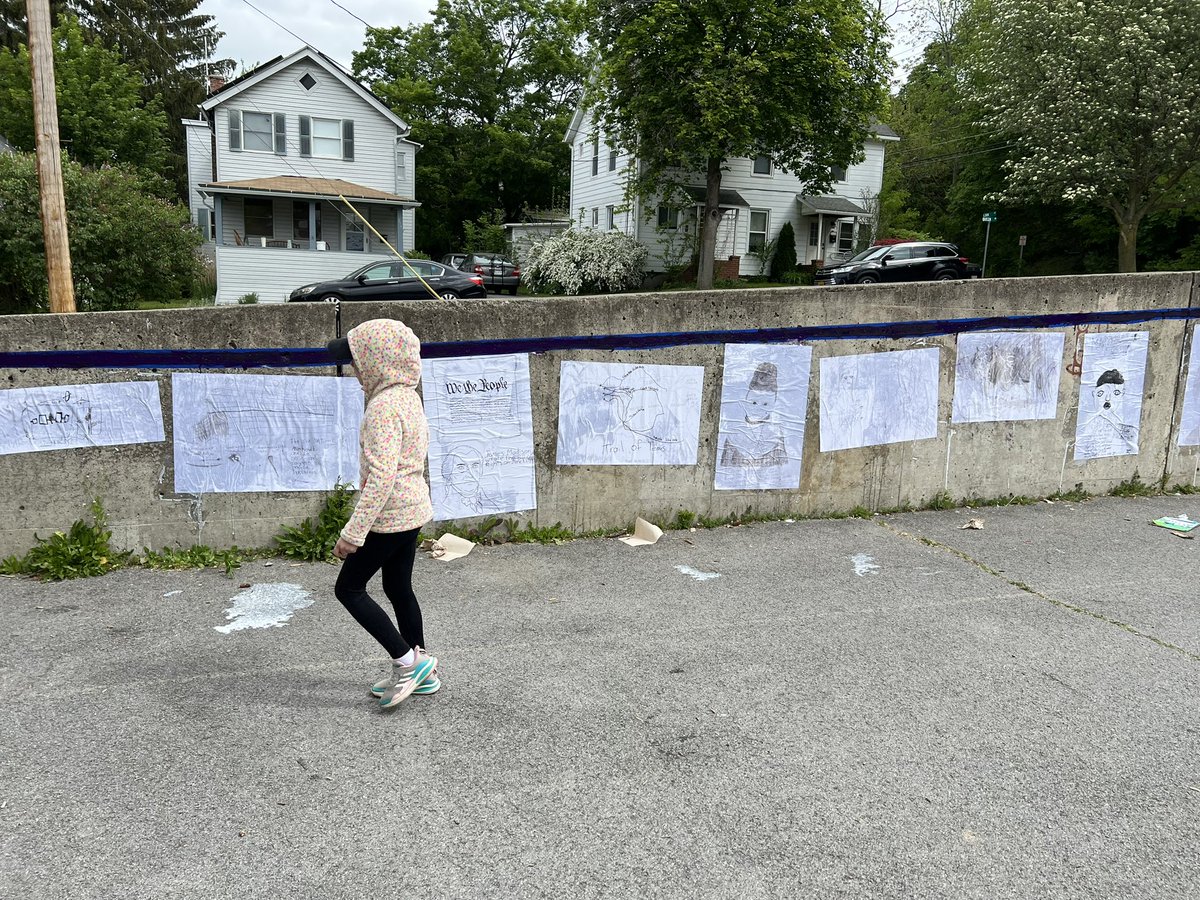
(394, 553)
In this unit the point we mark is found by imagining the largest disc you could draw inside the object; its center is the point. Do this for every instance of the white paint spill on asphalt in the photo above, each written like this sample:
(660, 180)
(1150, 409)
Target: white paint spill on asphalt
(697, 574)
(864, 565)
(172, 593)
(264, 606)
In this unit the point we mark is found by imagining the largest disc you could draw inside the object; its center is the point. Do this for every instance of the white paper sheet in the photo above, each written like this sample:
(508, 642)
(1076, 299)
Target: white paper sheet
(1110, 394)
(238, 433)
(878, 398)
(1189, 425)
(625, 415)
(1007, 376)
(480, 435)
(764, 405)
(80, 415)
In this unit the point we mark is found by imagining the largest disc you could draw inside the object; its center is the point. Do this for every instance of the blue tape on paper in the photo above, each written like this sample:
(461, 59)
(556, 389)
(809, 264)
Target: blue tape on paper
(302, 357)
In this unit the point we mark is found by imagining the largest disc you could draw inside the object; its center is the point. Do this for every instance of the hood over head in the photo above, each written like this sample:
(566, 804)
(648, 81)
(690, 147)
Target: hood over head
(386, 354)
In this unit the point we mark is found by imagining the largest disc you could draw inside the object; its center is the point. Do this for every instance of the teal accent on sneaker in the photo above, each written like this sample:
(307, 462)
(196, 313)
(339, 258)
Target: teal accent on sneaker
(431, 685)
(403, 686)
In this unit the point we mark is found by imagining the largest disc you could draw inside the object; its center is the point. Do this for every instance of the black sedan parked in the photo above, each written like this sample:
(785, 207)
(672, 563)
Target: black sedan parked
(393, 279)
(909, 261)
(498, 272)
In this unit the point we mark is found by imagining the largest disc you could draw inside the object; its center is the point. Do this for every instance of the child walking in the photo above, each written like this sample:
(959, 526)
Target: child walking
(392, 505)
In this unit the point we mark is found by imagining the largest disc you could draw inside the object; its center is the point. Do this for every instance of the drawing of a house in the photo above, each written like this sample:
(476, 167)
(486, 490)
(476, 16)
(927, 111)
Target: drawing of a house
(756, 199)
(268, 158)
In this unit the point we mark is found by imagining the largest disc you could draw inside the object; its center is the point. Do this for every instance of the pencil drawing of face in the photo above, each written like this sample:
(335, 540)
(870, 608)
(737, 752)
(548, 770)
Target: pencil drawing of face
(462, 469)
(1110, 395)
(758, 406)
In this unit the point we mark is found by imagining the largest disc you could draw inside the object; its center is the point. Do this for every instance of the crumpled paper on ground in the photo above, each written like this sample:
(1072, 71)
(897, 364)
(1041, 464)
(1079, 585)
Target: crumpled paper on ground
(448, 547)
(643, 533)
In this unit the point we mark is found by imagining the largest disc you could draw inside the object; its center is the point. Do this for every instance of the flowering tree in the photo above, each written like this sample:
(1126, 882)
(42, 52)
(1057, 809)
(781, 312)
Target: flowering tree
(585, 261)
(1102, 99)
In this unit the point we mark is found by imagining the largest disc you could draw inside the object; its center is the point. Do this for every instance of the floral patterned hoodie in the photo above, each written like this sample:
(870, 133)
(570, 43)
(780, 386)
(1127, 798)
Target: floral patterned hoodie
(395, 433)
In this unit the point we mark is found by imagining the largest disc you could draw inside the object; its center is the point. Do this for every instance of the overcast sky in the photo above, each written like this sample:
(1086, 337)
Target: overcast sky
(251, 38)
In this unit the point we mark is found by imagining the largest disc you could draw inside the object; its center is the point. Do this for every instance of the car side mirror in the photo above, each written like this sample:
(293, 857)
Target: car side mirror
(884, 261)
(361, 279)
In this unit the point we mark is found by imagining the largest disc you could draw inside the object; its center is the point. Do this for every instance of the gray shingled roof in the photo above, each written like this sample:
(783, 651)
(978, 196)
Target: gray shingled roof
(829, 206)
(724, 198)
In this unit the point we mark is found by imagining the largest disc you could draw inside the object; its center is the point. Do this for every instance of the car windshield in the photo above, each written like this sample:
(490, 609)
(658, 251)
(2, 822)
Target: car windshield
(869, 253)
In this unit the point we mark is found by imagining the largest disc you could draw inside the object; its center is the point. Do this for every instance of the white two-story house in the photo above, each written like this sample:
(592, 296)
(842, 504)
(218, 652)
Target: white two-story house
(756, 198)
(270, 160)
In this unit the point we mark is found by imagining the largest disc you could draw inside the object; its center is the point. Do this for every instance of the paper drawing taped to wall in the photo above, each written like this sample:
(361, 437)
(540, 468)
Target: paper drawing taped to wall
(1110, 394)
(878, 398)
(625, 415)
(80, 415)
(237, 433)
(1189, 425)
(1007, 376)
(764, 403)
(480, 435)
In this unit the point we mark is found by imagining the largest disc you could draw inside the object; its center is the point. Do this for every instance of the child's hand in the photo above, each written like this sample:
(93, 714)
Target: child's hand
(343, 548)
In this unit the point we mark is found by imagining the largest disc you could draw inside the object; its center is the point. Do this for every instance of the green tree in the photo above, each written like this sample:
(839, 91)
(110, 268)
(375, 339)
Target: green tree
(486, 234)
(784, 260)
(489, 87)
(102, 117)
(688, 86)
(14, 29)
(1100, 98)
(127, 243)
(170, 44)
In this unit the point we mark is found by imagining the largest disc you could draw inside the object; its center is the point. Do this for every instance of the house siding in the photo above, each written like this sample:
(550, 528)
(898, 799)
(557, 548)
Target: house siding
(776, 193)
(199, 163)
(274, 274)
(374, 163)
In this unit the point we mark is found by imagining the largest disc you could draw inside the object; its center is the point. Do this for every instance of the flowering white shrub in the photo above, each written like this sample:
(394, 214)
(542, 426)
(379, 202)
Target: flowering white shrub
(585, 261)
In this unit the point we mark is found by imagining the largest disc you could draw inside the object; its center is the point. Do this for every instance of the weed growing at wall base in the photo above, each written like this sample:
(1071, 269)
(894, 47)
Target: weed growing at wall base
(82, 551)
(314, 540)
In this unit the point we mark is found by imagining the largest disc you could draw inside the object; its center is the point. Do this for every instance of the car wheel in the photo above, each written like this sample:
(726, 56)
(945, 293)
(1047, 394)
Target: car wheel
(868, 279)
(449, 295)
(332, 298)
(946, 276)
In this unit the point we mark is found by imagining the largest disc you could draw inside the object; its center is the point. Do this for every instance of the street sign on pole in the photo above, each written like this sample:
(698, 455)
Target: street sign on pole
(1022, 240)
(1021, 258)
(989, 217)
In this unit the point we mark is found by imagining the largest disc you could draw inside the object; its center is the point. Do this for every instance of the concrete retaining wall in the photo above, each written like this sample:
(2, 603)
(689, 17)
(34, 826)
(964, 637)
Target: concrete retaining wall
(46, 491)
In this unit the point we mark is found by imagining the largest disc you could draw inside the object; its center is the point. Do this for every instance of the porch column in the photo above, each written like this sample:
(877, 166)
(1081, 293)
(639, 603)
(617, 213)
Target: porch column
(312, 224)
(400, 228)
(821, 238)
(218, 220)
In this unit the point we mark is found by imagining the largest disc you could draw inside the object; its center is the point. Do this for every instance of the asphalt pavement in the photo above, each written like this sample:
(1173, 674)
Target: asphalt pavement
(894, 707)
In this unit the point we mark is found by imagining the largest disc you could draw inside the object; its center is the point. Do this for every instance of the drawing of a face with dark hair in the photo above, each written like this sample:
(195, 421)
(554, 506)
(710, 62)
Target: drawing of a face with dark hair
(757, 439)
(1110, 395)
(462, 473)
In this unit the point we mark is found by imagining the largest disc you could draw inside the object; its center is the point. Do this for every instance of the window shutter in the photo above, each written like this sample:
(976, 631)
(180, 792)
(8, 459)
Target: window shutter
(280, 134)
(305, 136)
(235, 129)
(348, 140)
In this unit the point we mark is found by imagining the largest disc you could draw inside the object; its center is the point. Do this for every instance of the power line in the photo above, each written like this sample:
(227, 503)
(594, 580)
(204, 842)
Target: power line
(277, 22)
(350, 13)
(953, 156)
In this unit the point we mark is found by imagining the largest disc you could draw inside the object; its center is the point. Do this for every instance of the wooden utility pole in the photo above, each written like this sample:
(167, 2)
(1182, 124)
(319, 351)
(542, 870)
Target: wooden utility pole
(49, 160)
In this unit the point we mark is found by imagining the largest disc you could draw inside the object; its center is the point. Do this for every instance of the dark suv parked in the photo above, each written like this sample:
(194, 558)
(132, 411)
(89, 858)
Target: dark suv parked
(910, 261)
(498, 273)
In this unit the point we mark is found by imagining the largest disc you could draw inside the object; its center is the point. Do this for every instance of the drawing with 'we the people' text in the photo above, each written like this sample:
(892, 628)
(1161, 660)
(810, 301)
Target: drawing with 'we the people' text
(620, 414)
(80, 415)
(238, 433)
(480, 435)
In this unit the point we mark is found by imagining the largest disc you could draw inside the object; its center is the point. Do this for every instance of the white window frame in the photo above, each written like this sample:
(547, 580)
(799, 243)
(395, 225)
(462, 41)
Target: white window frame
(246, 132)
(610, 217)
(668, 217)
(766, 229)
(313, 137)
(846, 235)
(845, 170)
(814, 234)
(612, 159)
(770, 166)
(595, 216)
(596, 157)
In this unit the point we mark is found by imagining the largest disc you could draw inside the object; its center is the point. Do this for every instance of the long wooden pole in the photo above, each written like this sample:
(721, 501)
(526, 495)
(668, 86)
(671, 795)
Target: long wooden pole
(45, 124)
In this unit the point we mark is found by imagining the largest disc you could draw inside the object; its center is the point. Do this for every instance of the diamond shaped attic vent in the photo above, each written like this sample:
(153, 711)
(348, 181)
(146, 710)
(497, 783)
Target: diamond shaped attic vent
(308, 81)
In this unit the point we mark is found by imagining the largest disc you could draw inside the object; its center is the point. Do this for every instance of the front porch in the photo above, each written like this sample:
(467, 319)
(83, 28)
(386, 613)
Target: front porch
(272, 235)
(829, 229)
